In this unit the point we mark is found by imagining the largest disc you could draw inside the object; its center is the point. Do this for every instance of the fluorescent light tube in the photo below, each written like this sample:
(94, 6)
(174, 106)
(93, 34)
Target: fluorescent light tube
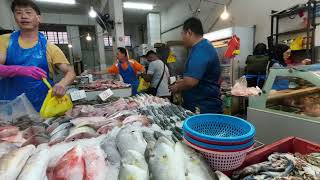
(59, 1)
(132, 5)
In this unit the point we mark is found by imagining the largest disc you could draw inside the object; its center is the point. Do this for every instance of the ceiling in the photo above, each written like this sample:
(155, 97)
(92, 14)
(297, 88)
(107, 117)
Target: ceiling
(82, 7)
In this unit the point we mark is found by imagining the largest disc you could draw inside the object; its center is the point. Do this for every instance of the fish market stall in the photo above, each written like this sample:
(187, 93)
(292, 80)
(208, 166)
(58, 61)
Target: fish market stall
(95, 88)
(132, 138)
(292, 111)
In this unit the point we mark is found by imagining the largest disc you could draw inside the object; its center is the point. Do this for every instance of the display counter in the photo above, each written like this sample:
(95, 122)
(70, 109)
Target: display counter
(292, 110)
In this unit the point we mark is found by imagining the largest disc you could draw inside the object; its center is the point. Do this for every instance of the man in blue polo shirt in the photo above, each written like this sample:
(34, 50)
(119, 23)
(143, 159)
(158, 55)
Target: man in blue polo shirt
(200, 85)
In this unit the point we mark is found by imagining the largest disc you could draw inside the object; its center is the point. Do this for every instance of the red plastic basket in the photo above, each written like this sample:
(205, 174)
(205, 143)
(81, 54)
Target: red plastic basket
(290, 144)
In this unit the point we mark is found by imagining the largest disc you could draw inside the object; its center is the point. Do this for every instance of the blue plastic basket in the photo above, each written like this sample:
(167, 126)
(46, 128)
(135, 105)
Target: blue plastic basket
(219, 148)
(217, 129)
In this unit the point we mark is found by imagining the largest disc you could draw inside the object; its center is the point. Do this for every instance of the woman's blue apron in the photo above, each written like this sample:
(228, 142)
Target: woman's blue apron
(129, 77)
(35, 90)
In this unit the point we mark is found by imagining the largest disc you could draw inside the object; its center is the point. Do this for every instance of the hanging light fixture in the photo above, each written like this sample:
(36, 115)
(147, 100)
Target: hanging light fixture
(70, 46)
(88, 38)
(225, 15)
(92, 13)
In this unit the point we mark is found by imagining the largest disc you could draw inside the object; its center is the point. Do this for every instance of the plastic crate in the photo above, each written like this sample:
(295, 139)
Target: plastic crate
(287, 145)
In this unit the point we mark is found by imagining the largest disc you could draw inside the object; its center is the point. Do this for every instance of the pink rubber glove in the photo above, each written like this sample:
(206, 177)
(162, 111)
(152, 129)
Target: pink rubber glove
(28, 71)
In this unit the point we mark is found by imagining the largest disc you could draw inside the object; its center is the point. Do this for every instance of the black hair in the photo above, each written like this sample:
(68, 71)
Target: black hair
(260, 49)
(123, 51)
(193, 24)
(25, 3)
(278, 52)
(150, 53)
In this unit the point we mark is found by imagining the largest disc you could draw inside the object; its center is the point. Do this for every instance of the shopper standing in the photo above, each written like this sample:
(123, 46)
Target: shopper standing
(158, 75)
(200, 85)
(26, 57)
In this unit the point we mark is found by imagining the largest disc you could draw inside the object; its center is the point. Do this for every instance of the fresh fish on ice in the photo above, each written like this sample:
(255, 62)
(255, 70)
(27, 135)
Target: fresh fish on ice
(36, 166)
(94, 122)
(95, 164)
(6, 147)
(81, 133)
(131, 138)
(52, 127)
(33, 130)
(36, 140)
(61, 127)
(110, 148)
(12, 163)
(7, 131)
(59, 136)
(196, 166)
(133, 166)
(161, 160)
(144, 120)
(108, 127)
(70, 167)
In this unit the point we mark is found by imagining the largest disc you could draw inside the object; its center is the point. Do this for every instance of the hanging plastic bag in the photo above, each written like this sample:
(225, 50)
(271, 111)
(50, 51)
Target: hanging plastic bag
(54, 106)
(143, 85)
(297, 44)
(240, 88)
(233, 47)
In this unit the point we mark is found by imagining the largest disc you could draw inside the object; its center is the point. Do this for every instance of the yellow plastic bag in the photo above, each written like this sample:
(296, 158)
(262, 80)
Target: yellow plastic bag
(54, 106)
(143, 85)
(171, 58)
(297, 44)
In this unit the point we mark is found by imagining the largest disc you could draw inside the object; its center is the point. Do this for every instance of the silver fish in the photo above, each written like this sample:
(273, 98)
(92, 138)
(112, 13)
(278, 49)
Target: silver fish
(61, 127)
(59, 136)
(6, 147)
(133, 166)
(81, 133)
(12, 163)
(131, 138)
(196, 166)
(36, 166)
(162, 162)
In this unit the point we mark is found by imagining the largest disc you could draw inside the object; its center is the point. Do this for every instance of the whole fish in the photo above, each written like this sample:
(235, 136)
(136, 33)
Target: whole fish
(81, 133)
(130, 138)
(161, 160)
(95, 164)
(108, 127)
(32, 131)
(7, 131)
(12, 163)
(36, 166)
(71, 166)
(61, 127)
(6, 147)
(59, 136)
(52, 127)
(196, 166)
(144, 120)
(133, 166)
(94, 122)
(37, 140)
(110, 148)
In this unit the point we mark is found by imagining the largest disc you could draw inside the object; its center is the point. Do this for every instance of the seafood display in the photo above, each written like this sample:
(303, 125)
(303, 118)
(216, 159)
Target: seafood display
(283, 166)
(104, 84)
(136, 138)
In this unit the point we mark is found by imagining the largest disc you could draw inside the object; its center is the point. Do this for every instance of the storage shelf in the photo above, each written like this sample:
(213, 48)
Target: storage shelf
(297, 31)
(287, 13)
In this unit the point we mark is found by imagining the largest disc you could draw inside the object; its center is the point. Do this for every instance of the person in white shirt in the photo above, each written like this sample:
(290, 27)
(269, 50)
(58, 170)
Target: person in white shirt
(158, 75)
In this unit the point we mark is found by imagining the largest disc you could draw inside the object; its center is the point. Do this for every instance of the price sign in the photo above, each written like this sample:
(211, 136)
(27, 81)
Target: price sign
(77, 95)
(105, 94)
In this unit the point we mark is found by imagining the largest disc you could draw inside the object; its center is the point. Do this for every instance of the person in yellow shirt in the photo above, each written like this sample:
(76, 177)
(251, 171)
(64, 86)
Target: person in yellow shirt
(26, 57)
